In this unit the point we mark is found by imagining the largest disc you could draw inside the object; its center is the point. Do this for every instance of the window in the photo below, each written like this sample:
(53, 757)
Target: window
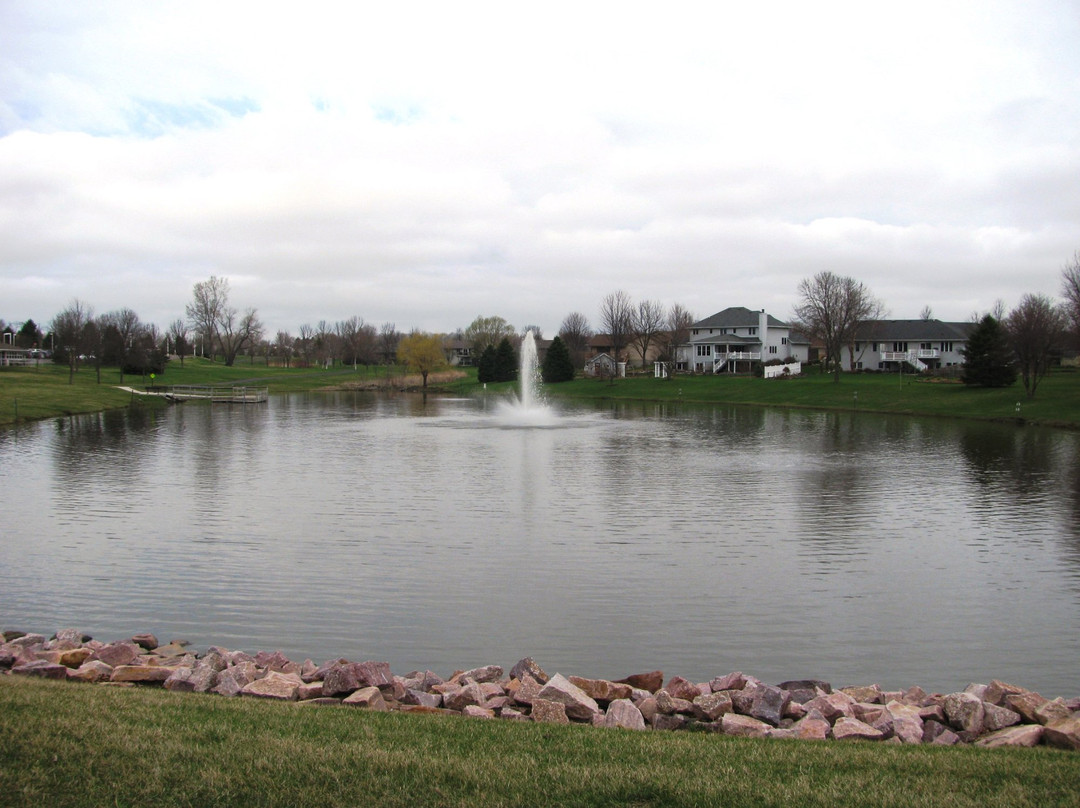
(899, 346)
(751, 331)
(783, 340)
(946, 346)
(925, 346)
(704, 350)
(772, 349)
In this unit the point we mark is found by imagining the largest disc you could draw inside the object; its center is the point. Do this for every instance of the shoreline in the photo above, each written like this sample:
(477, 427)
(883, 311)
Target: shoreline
(988, 715)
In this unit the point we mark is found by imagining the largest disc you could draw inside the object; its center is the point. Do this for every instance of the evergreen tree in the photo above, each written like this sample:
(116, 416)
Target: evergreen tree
(506, 363)
(558, 366)
(485, 366)
(988, 357)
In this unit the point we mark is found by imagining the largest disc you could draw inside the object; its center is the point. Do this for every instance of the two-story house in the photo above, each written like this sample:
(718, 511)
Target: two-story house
(734, 339)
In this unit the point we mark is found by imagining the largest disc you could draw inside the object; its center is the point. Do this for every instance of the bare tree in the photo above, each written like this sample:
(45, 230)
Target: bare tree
(324, 343)
(617, 320)
(129, 329)
(830, 309)
(927, 313)
(645, 326)
(676, 332)
(1036, 328)
(305, 343)
(210, 299)
(178, 333)
(388, 342)
(283, 346)
(576, 333)
(348, 333)
(485, 331)
(236, 332)
(1070, 290)
(68, 329)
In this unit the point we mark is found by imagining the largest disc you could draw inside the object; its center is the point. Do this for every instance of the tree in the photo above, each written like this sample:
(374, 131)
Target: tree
(485, 365)
(1036, 329)
(1070, 290)
(576, 333)
(557, 366)
(926, 314)
(68, 329)
(506, 361)
(210, 299)
(830, 309)
(617, 319)
(988, 357)
(421, 353)
(485, 331)
(121, 341)
(676, 333)
(236, 332)
(388, 342)
(29, 335)
(645, 326)
(178, 333)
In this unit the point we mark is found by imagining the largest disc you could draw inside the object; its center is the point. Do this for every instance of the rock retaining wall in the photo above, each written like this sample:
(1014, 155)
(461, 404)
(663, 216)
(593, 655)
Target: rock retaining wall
(994, 714)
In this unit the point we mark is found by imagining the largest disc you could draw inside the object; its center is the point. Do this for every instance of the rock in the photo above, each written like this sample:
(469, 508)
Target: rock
(463, 696)
(1025, 704)
(274, 661)
(812, 727)
(1024, 735)
(651, 681)
(475, 711)
(867, 694)
(173, 649)
(93, 670)
(712, 706)
(937, 733)
(803, 690)
(74, 657)
(965, 712)
(682, 688)
(906, 721)
(488, 673)
(422, 698)
(66, 639)
(578, 705)
(832, 706)
(1063, 733)
(146, 640)
(669, 705)
(369, 697)
(976, 689)
(549, 712)
(309, 691)
(744, 725)
(42, 669)
(732, 681)
(527, 667)
(602, 689)
(341, 678)
(996, 718)
(623, 713)
(275, 685)
(526, 690)
(200, 679)
(232, 680)
(141, 674)
(997, 691)
(669, 723)
(768, 704)
(847, 728)
(1052, 711)
(917, 696)
(118, 653)
(27, 640)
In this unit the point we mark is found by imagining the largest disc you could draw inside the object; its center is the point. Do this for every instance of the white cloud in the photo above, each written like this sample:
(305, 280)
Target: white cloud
(425, 163)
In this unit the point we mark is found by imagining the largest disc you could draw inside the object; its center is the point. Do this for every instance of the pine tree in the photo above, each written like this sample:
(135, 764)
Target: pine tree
(558, 367)
(988, 357)
(485, 367)
(506, 363)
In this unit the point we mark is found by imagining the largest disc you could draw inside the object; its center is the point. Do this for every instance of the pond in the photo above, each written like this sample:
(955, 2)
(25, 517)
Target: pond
(609, 540)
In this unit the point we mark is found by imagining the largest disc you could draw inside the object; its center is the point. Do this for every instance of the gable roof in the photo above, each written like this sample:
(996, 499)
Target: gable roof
(736, 317)
(911, 330)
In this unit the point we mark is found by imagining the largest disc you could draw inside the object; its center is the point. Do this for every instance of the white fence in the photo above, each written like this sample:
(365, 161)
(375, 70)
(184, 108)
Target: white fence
(791, 369)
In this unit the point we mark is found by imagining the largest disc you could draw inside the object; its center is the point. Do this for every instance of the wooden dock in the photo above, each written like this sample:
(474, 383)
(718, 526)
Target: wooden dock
(217, 394)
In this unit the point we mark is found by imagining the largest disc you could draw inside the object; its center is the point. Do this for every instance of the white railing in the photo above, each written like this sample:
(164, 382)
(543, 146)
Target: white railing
(790, 369)
(734, 356)
(911, 357)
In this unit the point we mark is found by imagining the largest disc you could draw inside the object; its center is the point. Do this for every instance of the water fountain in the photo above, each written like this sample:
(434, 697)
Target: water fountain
(529, 409)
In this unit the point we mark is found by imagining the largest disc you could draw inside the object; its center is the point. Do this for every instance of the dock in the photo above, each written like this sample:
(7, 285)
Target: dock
(217, 394)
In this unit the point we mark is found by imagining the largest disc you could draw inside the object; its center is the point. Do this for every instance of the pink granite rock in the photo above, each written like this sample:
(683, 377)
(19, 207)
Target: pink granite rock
(578, 705)
(1023, 735)
(623, 713)
(549, 712)
(370, 698)
(847, 728)
(744, 725)
(1064, 732)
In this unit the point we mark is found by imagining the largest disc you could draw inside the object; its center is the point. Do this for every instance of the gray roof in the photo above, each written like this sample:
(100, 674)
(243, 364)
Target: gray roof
(912, 330)
(724, 339)
(736, 317)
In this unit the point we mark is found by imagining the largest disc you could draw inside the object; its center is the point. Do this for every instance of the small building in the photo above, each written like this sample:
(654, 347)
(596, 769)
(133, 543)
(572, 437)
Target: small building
(604, 366)
(12, 356)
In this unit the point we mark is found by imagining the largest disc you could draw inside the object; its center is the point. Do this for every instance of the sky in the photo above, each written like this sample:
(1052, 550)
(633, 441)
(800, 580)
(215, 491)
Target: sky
(428, 163)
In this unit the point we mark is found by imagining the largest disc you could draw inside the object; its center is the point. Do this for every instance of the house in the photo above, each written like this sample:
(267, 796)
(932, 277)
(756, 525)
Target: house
(10, 355)
(604, 366)
(732, 340)
(920, 345)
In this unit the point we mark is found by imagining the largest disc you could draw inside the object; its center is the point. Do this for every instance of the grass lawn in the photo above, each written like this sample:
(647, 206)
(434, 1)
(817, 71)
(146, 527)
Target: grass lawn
(44, 391)
(68, 744)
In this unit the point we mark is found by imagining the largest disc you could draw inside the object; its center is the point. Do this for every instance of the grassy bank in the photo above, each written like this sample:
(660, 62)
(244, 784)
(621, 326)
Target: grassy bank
(67, 744)
(44, 392)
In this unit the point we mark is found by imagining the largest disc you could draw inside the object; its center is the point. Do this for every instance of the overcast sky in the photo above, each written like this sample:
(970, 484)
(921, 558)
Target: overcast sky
(426, 163)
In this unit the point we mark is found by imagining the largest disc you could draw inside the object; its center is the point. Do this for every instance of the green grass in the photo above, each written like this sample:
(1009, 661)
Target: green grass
(67, 744)
(43, 392)
(1057, 402)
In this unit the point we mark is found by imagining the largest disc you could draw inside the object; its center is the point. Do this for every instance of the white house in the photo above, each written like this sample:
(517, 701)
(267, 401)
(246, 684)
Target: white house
(734, 339)
(915, 344)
